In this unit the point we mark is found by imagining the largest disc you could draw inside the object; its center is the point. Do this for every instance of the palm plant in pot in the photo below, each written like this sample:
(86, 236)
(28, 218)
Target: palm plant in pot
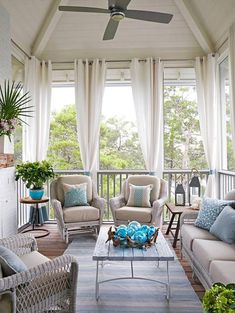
(13, 107)
(35, 175)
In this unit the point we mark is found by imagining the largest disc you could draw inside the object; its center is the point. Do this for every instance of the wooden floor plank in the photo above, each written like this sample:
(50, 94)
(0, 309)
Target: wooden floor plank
(53, 246)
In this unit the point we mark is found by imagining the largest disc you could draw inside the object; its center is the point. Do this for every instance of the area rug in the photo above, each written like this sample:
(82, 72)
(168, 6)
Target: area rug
(130, 296)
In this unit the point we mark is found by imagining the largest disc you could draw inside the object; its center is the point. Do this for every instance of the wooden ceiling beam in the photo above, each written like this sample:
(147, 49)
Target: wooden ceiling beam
(49, 24)
(194, 24)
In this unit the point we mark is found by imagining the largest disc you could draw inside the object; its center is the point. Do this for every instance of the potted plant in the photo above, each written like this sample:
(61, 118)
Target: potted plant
(13, 108)
(35, 174)
(219, 299)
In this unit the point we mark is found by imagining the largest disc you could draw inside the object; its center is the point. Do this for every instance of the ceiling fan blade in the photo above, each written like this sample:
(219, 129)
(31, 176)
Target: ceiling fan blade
(119, 3)
(150, 16)
(110, 30)
(82, 9)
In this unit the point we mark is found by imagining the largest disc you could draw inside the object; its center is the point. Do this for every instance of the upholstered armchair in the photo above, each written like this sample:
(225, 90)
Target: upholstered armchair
(75, 218)
(152, 214)
(43, 286)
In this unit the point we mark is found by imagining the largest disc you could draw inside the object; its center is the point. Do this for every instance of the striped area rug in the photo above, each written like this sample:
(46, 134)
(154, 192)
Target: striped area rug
(130, 296)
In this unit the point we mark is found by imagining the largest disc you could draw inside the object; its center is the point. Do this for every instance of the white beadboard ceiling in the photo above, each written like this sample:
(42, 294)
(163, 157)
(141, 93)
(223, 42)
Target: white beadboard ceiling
(197, 27)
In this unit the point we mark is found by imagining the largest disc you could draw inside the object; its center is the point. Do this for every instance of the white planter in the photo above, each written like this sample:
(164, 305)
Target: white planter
(6, 146)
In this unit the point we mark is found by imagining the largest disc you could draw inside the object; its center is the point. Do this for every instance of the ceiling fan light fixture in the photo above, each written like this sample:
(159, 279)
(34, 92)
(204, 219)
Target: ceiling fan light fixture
(117, 16)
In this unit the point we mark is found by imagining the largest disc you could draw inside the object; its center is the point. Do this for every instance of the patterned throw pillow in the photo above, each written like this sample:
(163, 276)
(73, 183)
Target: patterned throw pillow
(75, 195)
(210, 209)
(224, 226)
(139, 196)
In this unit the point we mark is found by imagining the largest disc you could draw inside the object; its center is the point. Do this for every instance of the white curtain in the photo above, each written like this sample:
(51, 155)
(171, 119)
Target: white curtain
(38, 76)
(207, 109)
(231, 45)
(147, 88)
(89, 89)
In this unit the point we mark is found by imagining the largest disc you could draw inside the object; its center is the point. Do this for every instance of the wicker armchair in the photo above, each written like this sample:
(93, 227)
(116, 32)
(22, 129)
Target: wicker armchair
(153, 215)
(46, 287)
(70, 220)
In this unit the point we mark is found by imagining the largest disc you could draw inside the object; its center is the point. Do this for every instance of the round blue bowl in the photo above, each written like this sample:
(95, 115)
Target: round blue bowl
(36, 194)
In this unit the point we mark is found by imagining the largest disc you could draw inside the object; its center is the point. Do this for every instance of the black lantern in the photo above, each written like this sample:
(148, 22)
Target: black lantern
(179, 193)
(194, 186)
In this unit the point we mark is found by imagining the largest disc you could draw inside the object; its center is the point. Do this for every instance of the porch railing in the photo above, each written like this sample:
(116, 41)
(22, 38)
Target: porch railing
(109, 184)
(226, 182)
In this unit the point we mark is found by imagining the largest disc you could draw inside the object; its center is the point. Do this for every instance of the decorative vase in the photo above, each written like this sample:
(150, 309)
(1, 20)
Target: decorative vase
(6, 146)
(36, 194)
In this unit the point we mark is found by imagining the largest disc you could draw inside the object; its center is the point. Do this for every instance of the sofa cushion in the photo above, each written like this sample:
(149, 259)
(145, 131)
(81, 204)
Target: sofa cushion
(6, 304)
(75, 195)
(222, 271)
(224, 226)
(206, 251)
(209, 211)
(142, 215)
(143, 180)
(190, 232)
(10, 262)
(33, 259)
(139, 196)
(80, 214)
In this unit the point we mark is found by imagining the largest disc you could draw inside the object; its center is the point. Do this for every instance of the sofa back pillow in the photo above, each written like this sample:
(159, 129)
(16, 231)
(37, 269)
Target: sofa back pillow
(10, 262)
(210, 210)
(224, 226)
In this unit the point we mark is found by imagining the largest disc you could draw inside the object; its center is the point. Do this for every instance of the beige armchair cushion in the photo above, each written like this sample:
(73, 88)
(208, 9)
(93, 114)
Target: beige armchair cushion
(33, 259)
(73, 180)
(80, 214)
(127, 213)
(143, 180)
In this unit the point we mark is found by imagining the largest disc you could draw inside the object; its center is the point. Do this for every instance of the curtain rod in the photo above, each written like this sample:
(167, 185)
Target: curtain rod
(120, 61)
(18, 47)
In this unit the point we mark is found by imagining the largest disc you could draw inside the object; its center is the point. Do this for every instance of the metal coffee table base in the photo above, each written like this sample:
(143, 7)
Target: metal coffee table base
(167, 284)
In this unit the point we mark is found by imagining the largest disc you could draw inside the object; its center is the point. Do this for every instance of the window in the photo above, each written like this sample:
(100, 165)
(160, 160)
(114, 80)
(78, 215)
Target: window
(183, 148)
(119, 141)
(63, 150)
(228, 150)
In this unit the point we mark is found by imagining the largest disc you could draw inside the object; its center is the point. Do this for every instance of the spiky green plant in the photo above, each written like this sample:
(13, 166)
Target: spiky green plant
(13, 107)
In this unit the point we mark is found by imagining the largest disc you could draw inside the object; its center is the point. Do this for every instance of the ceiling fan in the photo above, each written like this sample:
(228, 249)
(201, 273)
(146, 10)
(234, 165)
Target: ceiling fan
(118, 10)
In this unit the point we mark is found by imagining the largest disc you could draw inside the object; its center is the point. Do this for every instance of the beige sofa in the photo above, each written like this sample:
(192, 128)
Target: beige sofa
(211, 259)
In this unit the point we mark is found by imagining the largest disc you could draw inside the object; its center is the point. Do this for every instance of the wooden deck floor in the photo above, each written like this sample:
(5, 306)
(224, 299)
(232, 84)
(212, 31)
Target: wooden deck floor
(53, 246)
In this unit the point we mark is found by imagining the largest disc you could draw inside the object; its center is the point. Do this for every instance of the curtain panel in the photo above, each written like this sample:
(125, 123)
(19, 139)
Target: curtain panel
(207, 109)
(89, 90)
(147, 88)
(38, 80)
(231, 46)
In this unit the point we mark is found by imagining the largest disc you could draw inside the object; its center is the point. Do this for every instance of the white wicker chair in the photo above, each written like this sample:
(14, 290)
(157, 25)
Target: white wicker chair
(78, 217)
(47, 287)
(154, 215)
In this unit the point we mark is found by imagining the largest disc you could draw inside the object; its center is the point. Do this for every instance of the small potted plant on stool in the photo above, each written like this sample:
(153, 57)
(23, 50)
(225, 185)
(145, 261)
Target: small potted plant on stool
(35, 175)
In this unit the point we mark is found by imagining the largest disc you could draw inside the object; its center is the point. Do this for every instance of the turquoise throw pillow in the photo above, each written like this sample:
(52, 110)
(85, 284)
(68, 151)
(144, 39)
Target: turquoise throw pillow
(210, 209)
(139, 196)
(10, 262)
(224, 226)
(75, 195)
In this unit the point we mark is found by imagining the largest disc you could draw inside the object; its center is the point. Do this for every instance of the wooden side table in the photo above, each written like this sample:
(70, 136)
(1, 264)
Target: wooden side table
(35, 204)
(175, 211)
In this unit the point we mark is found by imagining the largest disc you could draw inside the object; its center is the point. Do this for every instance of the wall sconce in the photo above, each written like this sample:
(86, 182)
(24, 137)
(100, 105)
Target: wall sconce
(194, 186)
(180, 192)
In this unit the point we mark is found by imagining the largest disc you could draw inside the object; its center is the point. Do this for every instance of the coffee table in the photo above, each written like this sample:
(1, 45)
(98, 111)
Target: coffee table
(107, 252)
